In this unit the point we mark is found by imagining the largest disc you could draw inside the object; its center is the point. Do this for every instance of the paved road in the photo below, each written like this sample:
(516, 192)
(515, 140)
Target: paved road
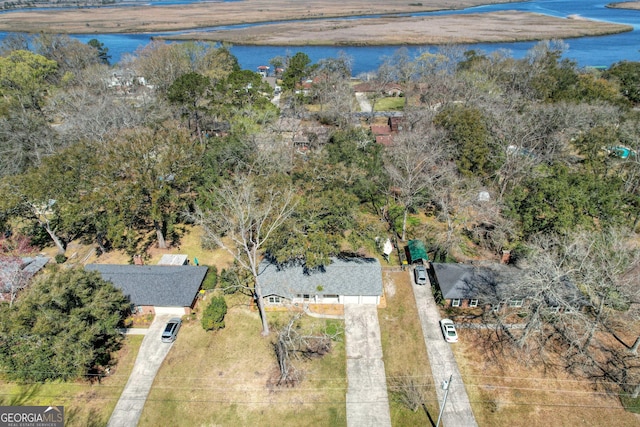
(152, 353)
(457, 411)
(367, 398)
(365, 105)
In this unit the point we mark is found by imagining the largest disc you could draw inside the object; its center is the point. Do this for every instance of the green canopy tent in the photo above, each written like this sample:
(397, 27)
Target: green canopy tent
(416, 251)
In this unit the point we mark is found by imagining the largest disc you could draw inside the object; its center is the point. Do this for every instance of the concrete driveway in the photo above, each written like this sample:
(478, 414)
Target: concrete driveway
(457, 411)
(152, 353)
(365, 105)
(367, 399)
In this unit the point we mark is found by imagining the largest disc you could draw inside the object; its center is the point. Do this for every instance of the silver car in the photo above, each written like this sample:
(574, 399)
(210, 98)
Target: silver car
(171, 330)
(420, 275)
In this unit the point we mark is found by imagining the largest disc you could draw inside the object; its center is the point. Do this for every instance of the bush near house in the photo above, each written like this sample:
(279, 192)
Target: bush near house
(213, 316)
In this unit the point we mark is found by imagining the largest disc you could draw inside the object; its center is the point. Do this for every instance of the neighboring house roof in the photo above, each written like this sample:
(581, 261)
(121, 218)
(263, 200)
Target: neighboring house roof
(32, 265)
(497, 283)
(388, 88)
(464, 281)
(21, 269)
(344, 276)
(173, 259)
(154, 285)
(380, 129)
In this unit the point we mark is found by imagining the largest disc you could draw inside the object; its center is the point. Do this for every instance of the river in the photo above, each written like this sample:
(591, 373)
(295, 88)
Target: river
(586, 51)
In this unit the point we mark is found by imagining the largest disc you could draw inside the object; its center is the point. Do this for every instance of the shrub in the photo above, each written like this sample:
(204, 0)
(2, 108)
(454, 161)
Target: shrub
(61, 258)
(213, 316)
(211, 279)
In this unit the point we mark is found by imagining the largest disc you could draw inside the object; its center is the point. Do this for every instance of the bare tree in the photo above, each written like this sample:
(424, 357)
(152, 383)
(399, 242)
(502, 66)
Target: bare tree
(247, 210)
(292, 343)
(332, 89)
(576, 289)
(409, 391)
(92, 111)
(413, 164)
(402, 69)
(12, 277)
(379, 85)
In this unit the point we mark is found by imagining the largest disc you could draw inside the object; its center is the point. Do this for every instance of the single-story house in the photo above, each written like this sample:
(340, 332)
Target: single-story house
(388, 89)
(155, 288)
(344, 281)
(495, 285)
(465, 285)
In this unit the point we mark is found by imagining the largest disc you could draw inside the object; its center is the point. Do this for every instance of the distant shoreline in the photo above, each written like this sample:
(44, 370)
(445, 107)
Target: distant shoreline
(631, 5)
(312, 23)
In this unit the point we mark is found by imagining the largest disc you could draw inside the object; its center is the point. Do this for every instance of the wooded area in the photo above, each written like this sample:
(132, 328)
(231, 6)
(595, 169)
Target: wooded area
(122, 156)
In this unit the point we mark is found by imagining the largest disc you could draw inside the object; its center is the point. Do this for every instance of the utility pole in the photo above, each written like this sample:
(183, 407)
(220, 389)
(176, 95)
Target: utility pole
(445, 386)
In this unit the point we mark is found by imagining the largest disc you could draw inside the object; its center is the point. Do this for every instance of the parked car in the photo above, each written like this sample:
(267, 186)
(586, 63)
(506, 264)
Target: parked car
(420, 275)
(448, 330)
(171, 330)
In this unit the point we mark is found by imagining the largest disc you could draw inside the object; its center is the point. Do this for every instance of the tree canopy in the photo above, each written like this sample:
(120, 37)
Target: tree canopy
(63, 326)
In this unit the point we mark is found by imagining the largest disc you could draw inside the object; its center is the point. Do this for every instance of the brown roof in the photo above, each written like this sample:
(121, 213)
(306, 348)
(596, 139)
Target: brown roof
(384, 139)
(380, 129)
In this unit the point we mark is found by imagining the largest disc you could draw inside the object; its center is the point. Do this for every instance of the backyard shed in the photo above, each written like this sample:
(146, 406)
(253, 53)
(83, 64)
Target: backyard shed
(416, 251)
(173, 259)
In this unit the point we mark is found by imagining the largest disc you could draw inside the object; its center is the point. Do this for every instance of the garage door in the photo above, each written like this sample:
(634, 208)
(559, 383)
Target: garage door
(369, 300)
(177, 311)
(351, 299)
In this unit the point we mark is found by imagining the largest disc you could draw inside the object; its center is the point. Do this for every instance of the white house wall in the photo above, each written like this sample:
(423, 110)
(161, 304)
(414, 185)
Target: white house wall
(178, 311)
(369, 299)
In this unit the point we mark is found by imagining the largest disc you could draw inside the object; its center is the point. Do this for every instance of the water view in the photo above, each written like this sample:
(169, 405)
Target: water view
(586, 51)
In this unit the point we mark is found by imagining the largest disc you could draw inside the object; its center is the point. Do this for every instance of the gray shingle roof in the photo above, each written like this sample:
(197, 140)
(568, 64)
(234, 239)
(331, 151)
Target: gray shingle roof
(34, 264)
(344, 276)
(159, 286)
(464, 281)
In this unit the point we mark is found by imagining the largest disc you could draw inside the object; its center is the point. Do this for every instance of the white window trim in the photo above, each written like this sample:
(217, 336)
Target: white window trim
(516, 303)
(473, 302)
(455, 302)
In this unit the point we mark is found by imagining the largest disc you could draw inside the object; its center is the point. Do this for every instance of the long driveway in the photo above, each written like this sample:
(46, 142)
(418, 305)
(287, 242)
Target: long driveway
(367, 398)
(152, 353)
(457, 410)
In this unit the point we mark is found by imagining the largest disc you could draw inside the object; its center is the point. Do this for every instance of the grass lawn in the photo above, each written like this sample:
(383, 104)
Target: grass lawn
(226, 378)
(84, 404)
(404, 352)
(393, 103)
(505, 392)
